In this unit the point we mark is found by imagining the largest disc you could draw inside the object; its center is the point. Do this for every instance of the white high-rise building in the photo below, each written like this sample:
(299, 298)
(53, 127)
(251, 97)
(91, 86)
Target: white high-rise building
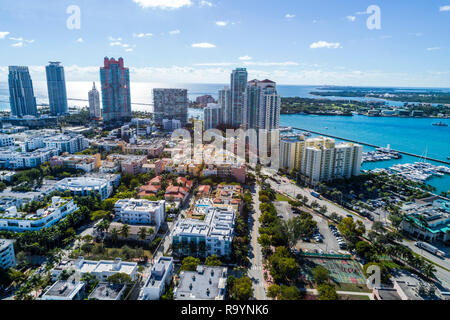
(291, 152)
(262, 105)
(94, 103)
(212, 116)
(323, 160)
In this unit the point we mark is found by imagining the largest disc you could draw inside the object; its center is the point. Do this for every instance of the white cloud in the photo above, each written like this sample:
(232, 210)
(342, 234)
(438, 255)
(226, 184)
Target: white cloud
(173, 32)
(351, 18)
(204, 45)
(245, 58)
(325, 44)
(271, 64)
(163, 4)
(222, 23)
(80, 40)
(117, 42)
(204, 3)
(16, 39)
(114, 39)
(17, 44)
(433, 48)
(444, 8)
(30, 41)
(214, 64)
(3, 34)
(289, 16)
(142, 35)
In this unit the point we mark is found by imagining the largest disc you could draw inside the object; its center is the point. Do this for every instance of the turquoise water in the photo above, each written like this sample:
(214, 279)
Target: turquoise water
(416, 136)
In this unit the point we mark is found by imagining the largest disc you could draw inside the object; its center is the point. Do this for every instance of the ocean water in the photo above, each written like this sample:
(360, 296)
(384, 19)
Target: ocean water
(416, 136)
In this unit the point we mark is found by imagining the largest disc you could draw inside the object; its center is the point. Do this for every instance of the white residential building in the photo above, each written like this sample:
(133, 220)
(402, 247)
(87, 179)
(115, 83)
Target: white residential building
(212, 235)
(323, 160)
(103, 269)
(141, 211)
(15, 221)
(65, 290)
(12, 159)
(6, 140)
(67, 143)
(85, 186)
(291, 152)
(160, 276)
(7, 255)
(207, 283)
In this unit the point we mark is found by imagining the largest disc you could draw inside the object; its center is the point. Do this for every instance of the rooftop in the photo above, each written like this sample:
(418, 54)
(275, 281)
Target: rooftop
(207, 283)
(64, 289)
(107, 291)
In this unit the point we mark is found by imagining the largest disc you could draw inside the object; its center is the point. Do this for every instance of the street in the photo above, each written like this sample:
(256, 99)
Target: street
(255, 271)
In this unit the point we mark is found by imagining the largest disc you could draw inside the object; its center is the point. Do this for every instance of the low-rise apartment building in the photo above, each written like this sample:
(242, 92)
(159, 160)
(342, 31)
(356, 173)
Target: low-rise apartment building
(145, 212)
(85, 186)
(15, 221)
(159, 278)
(7, 255)
(207, 283)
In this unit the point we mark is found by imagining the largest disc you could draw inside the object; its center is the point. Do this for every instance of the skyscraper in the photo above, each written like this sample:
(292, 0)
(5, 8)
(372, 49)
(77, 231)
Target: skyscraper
(21, 94)
(94, 103)
(170, 104)
(212, 116)
(225, 105)
(238, 86)
(56, 85)
(262, 105)
(115, 80)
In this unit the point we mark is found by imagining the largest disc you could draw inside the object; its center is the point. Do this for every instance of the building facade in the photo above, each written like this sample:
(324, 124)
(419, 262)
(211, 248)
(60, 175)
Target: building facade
(115, 81)
(7, 255)
(225, 105)
(212, 116)
(56, 85)
(159, 278)
(291, 153)
(144, 212)
(94, 103)
(239, 78)
(170, 104)
(21, 93)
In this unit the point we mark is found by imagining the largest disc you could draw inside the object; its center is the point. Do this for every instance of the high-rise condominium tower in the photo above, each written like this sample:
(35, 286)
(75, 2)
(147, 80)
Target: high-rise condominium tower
(21, 94)
(225, 105)
(115, 80)
(170, 104)
(94, 103)
(56, 85)
(238, 85)
(262, 105)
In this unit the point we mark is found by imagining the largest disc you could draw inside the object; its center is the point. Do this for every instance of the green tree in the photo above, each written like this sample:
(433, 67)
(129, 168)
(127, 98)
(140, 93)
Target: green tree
(242, 289)
(189, 264)
(119, 278)
(125, 231)
(289, 293)
(321, 275)
(213, 261)
(274, 291)
(327, 292)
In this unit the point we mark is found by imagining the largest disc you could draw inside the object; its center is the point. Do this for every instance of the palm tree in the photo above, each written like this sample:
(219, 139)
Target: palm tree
(142, 234)
(125, 231)
(114, 234)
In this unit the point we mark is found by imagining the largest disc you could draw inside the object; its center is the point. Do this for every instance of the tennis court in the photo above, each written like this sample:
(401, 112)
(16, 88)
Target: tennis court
(341, 270)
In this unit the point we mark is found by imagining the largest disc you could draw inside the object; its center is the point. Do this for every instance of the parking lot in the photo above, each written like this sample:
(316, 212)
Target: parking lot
(329, 244)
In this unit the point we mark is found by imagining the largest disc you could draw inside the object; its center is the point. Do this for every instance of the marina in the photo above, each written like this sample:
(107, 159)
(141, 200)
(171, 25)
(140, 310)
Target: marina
(381, 154)
(419, 171)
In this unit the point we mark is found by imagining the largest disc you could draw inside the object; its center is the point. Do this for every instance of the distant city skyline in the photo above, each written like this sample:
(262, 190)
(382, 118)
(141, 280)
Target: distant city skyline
(293, 42)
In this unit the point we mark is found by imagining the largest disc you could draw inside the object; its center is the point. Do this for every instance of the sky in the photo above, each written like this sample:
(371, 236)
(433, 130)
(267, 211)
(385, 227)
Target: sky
(310, 42)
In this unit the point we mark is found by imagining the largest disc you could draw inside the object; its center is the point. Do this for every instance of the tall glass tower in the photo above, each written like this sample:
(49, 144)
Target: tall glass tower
(21, 94)
(56, 85)
(115, 80)
(238, 85)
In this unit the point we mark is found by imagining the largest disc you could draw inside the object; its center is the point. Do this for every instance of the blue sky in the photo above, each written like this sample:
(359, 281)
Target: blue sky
(289, 41)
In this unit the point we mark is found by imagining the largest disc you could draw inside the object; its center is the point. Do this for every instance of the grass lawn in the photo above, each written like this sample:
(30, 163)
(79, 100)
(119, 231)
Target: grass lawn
(352, 287)
(352, 297)
(280, 197)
